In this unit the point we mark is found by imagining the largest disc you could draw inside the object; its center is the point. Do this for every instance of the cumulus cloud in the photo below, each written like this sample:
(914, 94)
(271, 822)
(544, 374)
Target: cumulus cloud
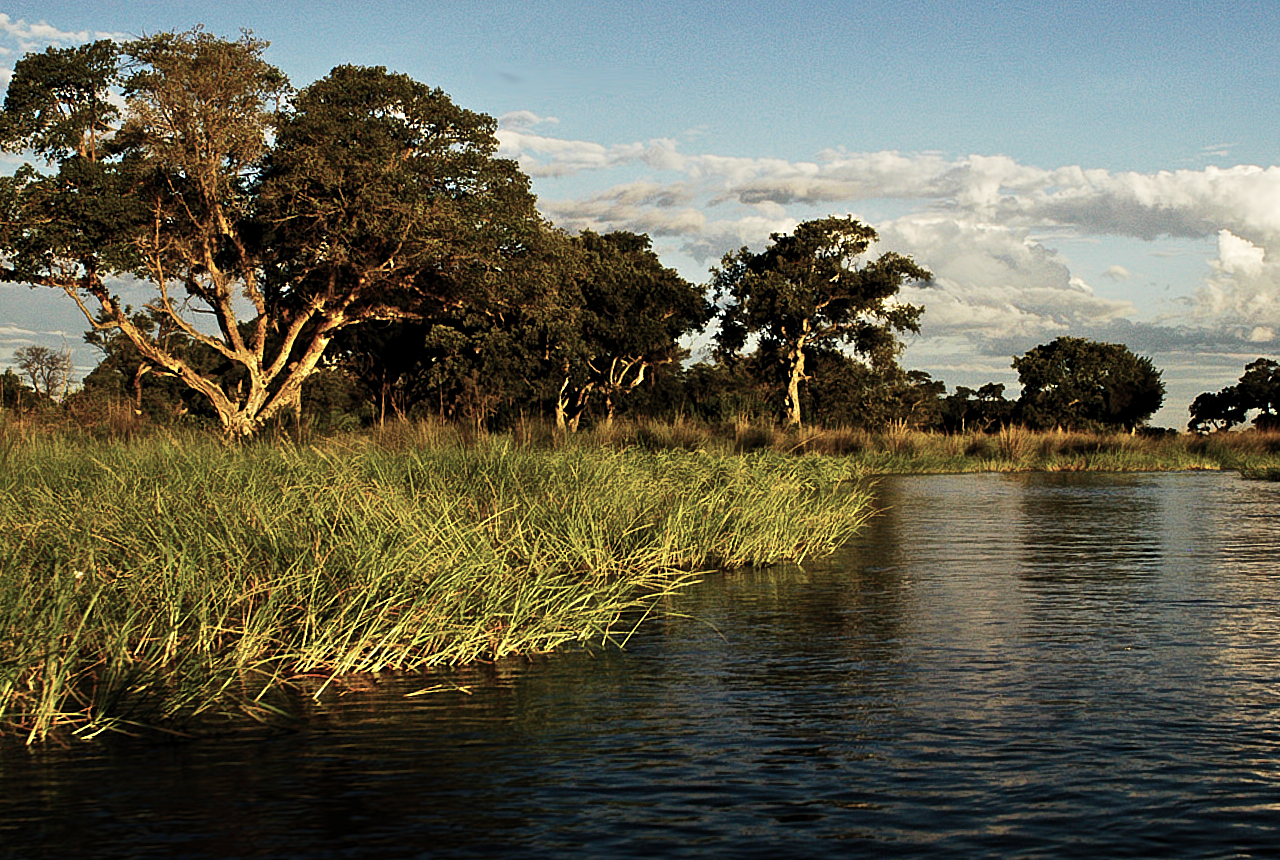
(994, 281)
(38, 36)
(1243, 292)
(33, 36)
(985, 224)
(522, 120)
(1244, 199)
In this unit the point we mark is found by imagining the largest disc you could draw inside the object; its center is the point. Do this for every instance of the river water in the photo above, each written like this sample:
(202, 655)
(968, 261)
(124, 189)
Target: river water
(1001, 666)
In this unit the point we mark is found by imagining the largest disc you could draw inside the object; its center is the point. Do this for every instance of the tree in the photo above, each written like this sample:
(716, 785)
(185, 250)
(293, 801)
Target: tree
(979, 410)
(123, 372)
(494, 355)
(49, 370)
(14, 393)
(634, 311)
(1220, 410)
(263, 228)
(1258, 389)
(57, 104)
(805, 291)
(842, 391)
(1076, 383)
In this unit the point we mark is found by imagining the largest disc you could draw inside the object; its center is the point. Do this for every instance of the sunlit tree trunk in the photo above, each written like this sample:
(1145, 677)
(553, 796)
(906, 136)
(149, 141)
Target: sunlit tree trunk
(796, 356)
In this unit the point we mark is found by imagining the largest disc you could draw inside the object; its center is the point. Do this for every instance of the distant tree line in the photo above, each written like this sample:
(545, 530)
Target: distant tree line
(1257, 393)
(355, 251)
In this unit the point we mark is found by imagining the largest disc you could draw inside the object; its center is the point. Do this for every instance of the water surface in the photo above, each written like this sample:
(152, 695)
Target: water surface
(1001, 666)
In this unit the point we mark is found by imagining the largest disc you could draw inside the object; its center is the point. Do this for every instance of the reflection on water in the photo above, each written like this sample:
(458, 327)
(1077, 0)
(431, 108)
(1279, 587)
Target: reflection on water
(1004, 666)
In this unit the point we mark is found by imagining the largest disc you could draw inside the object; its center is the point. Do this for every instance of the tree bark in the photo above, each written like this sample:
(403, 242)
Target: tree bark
(793, 382)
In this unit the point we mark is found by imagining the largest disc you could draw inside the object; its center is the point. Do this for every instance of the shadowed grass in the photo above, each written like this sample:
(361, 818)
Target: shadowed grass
(171, 582)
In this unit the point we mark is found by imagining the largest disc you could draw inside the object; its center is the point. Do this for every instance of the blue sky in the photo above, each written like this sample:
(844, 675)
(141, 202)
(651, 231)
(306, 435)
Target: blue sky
(1103, 170)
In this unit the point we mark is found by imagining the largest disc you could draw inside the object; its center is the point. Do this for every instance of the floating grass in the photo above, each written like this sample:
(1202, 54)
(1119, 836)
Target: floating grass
(174, 582)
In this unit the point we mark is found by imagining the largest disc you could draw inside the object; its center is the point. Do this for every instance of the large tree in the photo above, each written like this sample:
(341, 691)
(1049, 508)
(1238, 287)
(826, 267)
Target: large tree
(633, 313)
(494, 355)
(807, 291)
(1074, 383)
(263, 225)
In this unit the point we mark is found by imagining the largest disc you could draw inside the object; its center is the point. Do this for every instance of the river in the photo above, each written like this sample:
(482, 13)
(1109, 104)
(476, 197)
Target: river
(1022, 665)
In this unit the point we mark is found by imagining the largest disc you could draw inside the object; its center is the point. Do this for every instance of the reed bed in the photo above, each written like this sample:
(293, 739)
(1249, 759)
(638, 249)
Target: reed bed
(902, 450)
(176, 582)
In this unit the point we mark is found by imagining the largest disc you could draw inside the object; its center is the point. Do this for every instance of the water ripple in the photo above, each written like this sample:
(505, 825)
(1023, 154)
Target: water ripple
(1001, 666)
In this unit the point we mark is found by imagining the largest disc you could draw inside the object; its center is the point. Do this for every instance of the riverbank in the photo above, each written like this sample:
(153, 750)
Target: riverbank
(175, 580)
(178, 582)
(900, 450)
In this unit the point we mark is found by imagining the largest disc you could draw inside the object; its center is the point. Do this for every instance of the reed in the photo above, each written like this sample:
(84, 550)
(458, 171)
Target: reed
(174, 581)
(902, 450)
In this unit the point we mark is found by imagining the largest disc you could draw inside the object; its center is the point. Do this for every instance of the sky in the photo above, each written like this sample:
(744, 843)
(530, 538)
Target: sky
(1108, 170)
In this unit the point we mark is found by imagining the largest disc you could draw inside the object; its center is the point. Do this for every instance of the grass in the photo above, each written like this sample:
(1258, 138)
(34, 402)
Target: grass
(174, 583)
(900, 450)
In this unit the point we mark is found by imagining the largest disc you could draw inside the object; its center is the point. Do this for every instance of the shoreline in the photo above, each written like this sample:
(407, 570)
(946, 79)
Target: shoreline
(158, 583)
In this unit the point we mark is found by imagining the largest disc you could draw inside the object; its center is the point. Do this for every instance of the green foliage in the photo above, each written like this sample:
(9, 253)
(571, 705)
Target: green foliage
(55, 104)
(806, 291)
(174, 582)
(1075, 383)
(1258, 389)
(383, 198)
(843, 392)
(367, 197)
(726, 392)
(14, 392)
(634, 311)
(984, 410)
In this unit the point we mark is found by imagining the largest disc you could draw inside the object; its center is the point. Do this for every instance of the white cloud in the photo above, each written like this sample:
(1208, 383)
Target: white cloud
(1244, 199)
(33, 36)
(37, 37)
(983, 224)
(1239, 256)
(521, 120)
(1243, 293)
(994, 281)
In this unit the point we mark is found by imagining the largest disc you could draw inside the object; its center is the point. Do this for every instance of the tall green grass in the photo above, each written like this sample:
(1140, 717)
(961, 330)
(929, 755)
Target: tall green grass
(174, 581)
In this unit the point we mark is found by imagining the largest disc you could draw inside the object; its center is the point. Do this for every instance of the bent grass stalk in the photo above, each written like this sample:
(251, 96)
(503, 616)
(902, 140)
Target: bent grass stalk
(170, 582)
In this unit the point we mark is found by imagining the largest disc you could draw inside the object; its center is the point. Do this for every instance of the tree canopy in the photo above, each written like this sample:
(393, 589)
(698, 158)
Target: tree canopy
(1257, 392)
(807, 291)
(634, 311)
(49, 370)
(263, 225)
(1074, 383)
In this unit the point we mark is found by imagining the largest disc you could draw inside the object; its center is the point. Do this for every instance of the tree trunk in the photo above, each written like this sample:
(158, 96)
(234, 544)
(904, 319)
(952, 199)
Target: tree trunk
(793, 387)
(560, 406)
(137, 387)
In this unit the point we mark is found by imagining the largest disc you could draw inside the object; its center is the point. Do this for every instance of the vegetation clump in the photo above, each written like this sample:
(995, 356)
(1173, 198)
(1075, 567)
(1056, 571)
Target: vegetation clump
(170, 582)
